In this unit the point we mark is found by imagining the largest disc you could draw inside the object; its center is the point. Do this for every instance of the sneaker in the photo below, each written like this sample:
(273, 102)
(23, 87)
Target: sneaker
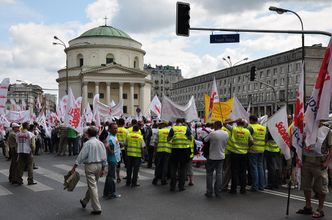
(115, 196)
(32, 183)
(95, 212)
(82, 203)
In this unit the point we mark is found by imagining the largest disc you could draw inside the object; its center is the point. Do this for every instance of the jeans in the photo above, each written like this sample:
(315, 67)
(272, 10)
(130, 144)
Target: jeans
(211, 166)
(109, 188)
(257, 170)
(178, 161)
(238, 170)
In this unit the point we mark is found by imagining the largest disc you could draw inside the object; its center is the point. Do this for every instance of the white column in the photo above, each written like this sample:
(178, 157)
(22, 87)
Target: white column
(131, 99)
(141, 97)
(96, 88)
(85, 94)
(108, 93)
(120, 91)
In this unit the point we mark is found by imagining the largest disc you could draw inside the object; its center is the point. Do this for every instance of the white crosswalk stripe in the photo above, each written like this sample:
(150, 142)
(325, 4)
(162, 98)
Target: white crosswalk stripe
(36, 188)
(4, 191)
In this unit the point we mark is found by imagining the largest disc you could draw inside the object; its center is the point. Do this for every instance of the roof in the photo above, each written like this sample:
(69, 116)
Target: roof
(105, 31)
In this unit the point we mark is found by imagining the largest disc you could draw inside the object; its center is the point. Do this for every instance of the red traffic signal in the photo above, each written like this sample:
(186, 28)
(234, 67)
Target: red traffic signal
(182, 19)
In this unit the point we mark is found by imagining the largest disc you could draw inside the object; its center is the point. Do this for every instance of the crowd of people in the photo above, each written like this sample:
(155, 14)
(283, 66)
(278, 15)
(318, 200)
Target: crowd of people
(238, 152)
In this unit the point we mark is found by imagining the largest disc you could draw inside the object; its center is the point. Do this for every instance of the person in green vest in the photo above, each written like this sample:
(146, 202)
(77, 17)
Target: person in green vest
(189, 167)
(180, 155)
(256, 154)
(163, 150)
(72, 141)
(134, 149)
(226, 170)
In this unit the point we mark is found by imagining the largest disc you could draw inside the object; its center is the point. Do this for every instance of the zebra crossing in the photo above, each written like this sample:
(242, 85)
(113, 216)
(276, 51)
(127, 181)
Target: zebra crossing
(57, 175)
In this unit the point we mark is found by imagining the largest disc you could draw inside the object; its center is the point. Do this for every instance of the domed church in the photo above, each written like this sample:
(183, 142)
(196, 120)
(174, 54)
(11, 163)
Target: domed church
(107, 61)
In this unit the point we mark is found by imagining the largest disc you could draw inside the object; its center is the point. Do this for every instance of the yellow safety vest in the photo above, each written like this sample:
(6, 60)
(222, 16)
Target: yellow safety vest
(130, 130)
(134, 142)
(272, 146)
(239, 139)
(163, 144)
(191, 144)
(259, 137)
(179, 140)
(229, 142)
(121, 135)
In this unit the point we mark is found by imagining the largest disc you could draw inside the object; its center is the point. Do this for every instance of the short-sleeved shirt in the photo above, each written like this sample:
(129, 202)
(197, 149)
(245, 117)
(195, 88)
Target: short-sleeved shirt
(115, 145)
(326, 147)
(218, 141)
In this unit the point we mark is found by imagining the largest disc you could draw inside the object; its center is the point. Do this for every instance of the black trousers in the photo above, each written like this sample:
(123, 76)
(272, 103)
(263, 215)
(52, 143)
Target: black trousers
(179, 159)
(133, 164)
(150, 155)
(273, 165)
(161, 169)
(238, 170)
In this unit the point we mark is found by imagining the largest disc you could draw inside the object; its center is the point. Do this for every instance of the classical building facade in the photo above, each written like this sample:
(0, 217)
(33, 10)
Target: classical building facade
(162, 78)
(280, 71)
(107, 61)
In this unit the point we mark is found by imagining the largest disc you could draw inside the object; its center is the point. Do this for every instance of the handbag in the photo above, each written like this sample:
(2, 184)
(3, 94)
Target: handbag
(71, 180)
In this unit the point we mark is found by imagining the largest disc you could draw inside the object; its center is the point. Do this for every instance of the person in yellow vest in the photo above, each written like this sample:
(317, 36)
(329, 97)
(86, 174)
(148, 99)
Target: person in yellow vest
(180, 155)
(226, 170)
(256, 154)
(121, 136)
(163, 150)
(273, 163)
(189, 166)
(241, 139)
(134, 149)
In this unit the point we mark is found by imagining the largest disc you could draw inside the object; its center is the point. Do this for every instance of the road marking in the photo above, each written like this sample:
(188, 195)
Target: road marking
(55, 176)
(294, 197)
(4, 191)
(36, 188)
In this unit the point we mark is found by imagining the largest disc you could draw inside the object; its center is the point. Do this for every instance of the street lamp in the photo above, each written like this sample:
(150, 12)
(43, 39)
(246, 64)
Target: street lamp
(64, 45)
(229, 61)
(281, 11)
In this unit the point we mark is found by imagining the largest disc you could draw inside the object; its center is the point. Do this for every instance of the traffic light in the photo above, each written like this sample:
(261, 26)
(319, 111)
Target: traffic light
(182, 19)
(252, 73)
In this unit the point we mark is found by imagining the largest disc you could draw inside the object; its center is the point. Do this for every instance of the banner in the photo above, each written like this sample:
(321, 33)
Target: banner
(226, 108)
(18, 116)
(278, 126)
(214, 98)
(3, 94)
(319, 103)
(107, 112)
(3, 121)
(155, 106)
(238, 111)
(170, 111)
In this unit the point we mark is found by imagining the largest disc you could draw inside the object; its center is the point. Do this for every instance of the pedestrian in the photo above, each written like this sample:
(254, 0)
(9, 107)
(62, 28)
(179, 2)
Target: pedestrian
(121, 135)
(12, 144)
(72, 142)
(314, 175)
(93, 156)
(113, 157)
(180, 156)
(25, 150)
(134, 149)
(63, 140)
(218, 141)
(226, 170)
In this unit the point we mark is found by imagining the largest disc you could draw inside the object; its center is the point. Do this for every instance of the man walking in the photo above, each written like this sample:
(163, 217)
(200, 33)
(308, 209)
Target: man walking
(93, 155)
(218, 140)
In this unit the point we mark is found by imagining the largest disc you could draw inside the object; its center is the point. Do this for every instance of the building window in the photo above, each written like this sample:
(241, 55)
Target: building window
(124, 109)
(124, 96)
(109, 58)
(135, 96)
(101, 95)
(136, 64)
(282, 81)
(275, 82)
(80, 60)
(268, 73)
(90, 95)
(275, 71)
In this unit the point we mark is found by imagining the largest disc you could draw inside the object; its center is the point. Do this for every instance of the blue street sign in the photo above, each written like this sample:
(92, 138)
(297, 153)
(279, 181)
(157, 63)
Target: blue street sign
(224, 38)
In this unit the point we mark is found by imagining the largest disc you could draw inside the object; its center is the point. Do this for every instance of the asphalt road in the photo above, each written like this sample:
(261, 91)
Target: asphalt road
(48, 200)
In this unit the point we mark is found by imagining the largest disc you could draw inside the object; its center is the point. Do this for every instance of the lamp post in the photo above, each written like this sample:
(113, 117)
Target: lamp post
(229, 61)
(281, 11)
(64, 45)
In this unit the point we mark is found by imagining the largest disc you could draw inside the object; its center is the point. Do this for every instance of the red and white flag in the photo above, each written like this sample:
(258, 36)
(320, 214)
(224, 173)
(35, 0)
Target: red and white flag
(319, 103)
(63, 106)
(73, 111)
(214, 98)
(278, 126)
(297, 132)
(155, 106)
(3, 94)
(87, 115)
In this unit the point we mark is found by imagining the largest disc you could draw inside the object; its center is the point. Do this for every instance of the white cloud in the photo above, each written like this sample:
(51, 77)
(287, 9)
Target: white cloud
(97, 10)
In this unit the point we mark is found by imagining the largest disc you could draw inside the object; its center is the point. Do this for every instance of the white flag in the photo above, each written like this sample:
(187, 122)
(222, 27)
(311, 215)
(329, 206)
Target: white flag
(14, 106)
(96, 114)
(155, 106)
(238, 111)
(319, 102)
(278, 126)
(170, 111)
(18, 116)
(214, 98)
(63, 106)
(3, 121)
(73, 111)
(3, 94)
(87, 115)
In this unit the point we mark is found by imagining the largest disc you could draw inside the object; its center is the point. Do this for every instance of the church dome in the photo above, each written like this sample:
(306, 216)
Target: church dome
(105, 31)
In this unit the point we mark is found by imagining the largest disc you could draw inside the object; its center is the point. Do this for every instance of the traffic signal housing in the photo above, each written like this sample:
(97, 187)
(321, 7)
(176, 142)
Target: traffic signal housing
(252, 73)
(182, 19)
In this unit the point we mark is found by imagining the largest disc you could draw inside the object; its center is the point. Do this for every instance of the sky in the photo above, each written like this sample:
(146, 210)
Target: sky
(27, 28)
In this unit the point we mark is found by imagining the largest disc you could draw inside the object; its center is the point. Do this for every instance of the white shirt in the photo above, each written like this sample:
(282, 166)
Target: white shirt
(93, 151)
(24, 142)
(218, 141)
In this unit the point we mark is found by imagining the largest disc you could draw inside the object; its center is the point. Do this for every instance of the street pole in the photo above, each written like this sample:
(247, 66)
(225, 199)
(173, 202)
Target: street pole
(64, 45)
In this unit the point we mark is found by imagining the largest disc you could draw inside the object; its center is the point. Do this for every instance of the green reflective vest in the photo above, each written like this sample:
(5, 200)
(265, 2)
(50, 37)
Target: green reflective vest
(229, 142)
(163, 144)
(272, 146)
(259, 137)
(134, 144)
(179, 140)
(121, 135)
(240, 140)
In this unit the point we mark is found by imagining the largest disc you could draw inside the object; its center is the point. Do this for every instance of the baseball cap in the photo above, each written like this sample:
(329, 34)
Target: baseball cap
(15, 125)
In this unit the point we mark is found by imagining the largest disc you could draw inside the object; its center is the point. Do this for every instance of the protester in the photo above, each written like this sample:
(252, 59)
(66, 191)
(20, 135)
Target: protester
(121, 135)
(93, 156)
(12, 144)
